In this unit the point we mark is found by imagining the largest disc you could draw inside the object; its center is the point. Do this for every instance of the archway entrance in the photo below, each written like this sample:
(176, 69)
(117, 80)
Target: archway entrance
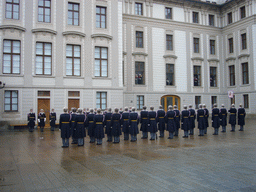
(170, 100)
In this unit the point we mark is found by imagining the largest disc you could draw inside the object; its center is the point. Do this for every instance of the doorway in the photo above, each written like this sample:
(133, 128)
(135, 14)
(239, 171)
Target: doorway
(73, 103)
(45, 105)
(170, 100)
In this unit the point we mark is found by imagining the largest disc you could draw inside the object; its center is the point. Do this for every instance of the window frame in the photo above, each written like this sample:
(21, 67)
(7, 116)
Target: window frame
(230, 17)
(101, 99)
(211, 20)
(231, 45)
(214, 98)
(199, 76)
(242, 12)
(232, 75)
(195, 17)
(196, 45)
(101, 15)
(244, 41)
(215, 76)
(139, 100)
(12, 4)
(143, 75)
(173, 74)
(73, 58)
(44, 8)
(11, 98)
(138, 38)
(169, 42)
(43, 56)
(101, 59)
(168, 13)
(11, 54)
(246, 101)
(138, 9)
(73, 11)
(212, 47)
(245, 73)
(197, 98)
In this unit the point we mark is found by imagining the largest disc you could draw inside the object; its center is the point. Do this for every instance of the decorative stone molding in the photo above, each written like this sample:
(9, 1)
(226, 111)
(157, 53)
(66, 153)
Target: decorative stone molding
(44, 30)
(197, 58)
(243, 55)
(170, 56)
(213, 60)
(230, 58)
(139, 54)
(101, 37)
(12, 28)
(73, 33)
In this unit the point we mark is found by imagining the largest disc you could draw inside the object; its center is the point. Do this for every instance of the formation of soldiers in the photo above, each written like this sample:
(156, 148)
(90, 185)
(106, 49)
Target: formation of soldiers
(74, 124)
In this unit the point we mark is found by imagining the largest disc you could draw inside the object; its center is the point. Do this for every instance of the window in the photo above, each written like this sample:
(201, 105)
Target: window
(139, 73)
(197, 101)
(242, 12)
(169, 42)
(245, 74)
(101, 100)
(12, 9)
(140, 101)
(74, 94)
(211, 20)
(168, 13)
(101, 15)
(246, 101)
(230, 18)
(232, 77)
(195, 17)
(169, 74)
(11, 57)
(231, 45)
(214, 100)
(213, 76)
(212, 47)
(138, 9)
(43, 93)
(196, 45)
(101, 62)
(244, 42)
(139, 39)
(197, 75)
(43, 58)
(233, 100)
(11, 101)
(44, 11)
(73, 13)
(73, 60)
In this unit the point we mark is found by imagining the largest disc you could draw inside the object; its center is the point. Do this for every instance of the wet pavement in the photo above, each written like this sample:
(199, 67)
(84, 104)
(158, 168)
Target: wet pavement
(37, 162)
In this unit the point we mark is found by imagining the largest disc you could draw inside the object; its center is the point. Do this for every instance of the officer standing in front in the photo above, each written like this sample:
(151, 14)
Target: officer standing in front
(65, 119)
(144, 122)
(152, 123)
(116, 125)
(89, 123)
(241, 117)
(200, 120)
(185, 121)
(192, 119)
(41, 120)
(107, 123)
(134, 121)
(160, 120)
(232, 117)
(52, 118)
(31, 120)
(170, 121)
(80, 127)
(125, 122)
(206, 116)
(73, 127)
(223, 118)
(99, 130)
(215, 119)
(177, 120)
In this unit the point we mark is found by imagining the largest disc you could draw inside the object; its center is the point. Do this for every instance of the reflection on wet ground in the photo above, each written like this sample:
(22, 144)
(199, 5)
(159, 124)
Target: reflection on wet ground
(36, 162)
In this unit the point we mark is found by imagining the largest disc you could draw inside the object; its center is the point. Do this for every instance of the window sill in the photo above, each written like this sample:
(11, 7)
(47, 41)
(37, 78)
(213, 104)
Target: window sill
(197, 87)
(231, 86)
(102, 78)
(73, 77)
(136, 85)
(11, 75)
(170, 86)
(245, 85)
(43, 76)
(214, 87)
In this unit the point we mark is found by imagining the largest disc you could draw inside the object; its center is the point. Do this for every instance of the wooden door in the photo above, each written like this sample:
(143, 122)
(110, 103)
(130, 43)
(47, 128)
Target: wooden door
(45, 105)
(170, 100)
(73, 103)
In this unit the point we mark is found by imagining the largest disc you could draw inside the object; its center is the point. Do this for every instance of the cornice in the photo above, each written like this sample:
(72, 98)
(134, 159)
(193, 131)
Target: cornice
(139, 53)
(16, 27)
(99, 35)
(197, 58)
(74, 33)
(170, 56)
(243, 55)
(231, 58)
(44, 30)
(213, 59)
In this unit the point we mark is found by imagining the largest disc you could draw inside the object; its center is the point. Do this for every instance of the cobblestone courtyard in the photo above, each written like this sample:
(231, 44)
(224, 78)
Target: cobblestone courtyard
(36, 162)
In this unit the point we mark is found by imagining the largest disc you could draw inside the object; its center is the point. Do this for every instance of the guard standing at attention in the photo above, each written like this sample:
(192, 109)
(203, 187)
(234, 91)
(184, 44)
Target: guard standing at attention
(223, 118)
(177, 120)
(107, 123)
(116, 125)
(144, 122)
(65, 119)
(200, 120)
(241, 117)
(215, 119)
(206, 116)
(161, 121)
(232, 117)
(80, 127)
(99, 130)
(41, 120)
(185, 121)
(52, 118)
(125, 122)
(192, 119)
(89, 123)
(170, 121)
(73, 125)
(134, 121)
(152, 123)
(31, 120)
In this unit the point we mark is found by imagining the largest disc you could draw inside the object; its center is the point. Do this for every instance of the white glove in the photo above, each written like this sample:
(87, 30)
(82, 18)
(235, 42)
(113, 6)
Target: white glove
(38, 120)
(44, 119)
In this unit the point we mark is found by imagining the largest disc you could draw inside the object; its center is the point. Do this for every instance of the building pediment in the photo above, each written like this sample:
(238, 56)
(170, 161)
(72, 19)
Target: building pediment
(213, 60)
(98, 35)
(74, 33)
(170, 56)
(230, 58)
(13, 27)
(243, 55)
(197, 58)
(139, 53)
(44, 30)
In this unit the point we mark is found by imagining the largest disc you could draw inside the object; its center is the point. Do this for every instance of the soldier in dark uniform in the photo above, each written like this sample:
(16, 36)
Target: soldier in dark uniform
(206, 116)
(232, 117)
(99, 130)
(177, 120)
(90, 125)
(41, 120)
(185, 114)
(95, 111)
(121, 111)
(241, 117)
(52, 118)
(125, 122)
(73, 126)
(170, 121)
(134, 121)
(87, 111)
(144, 122)
(65, 119)
(80, 127)
(152, 123)
(107, 123)
(161, 121)
(116, 125)
(31, 120)
(215, 119)
(200, 120)
(223, 118)
(192, 119)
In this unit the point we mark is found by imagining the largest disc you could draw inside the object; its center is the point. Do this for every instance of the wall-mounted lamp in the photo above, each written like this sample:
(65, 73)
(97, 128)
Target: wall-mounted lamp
(2, 85)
